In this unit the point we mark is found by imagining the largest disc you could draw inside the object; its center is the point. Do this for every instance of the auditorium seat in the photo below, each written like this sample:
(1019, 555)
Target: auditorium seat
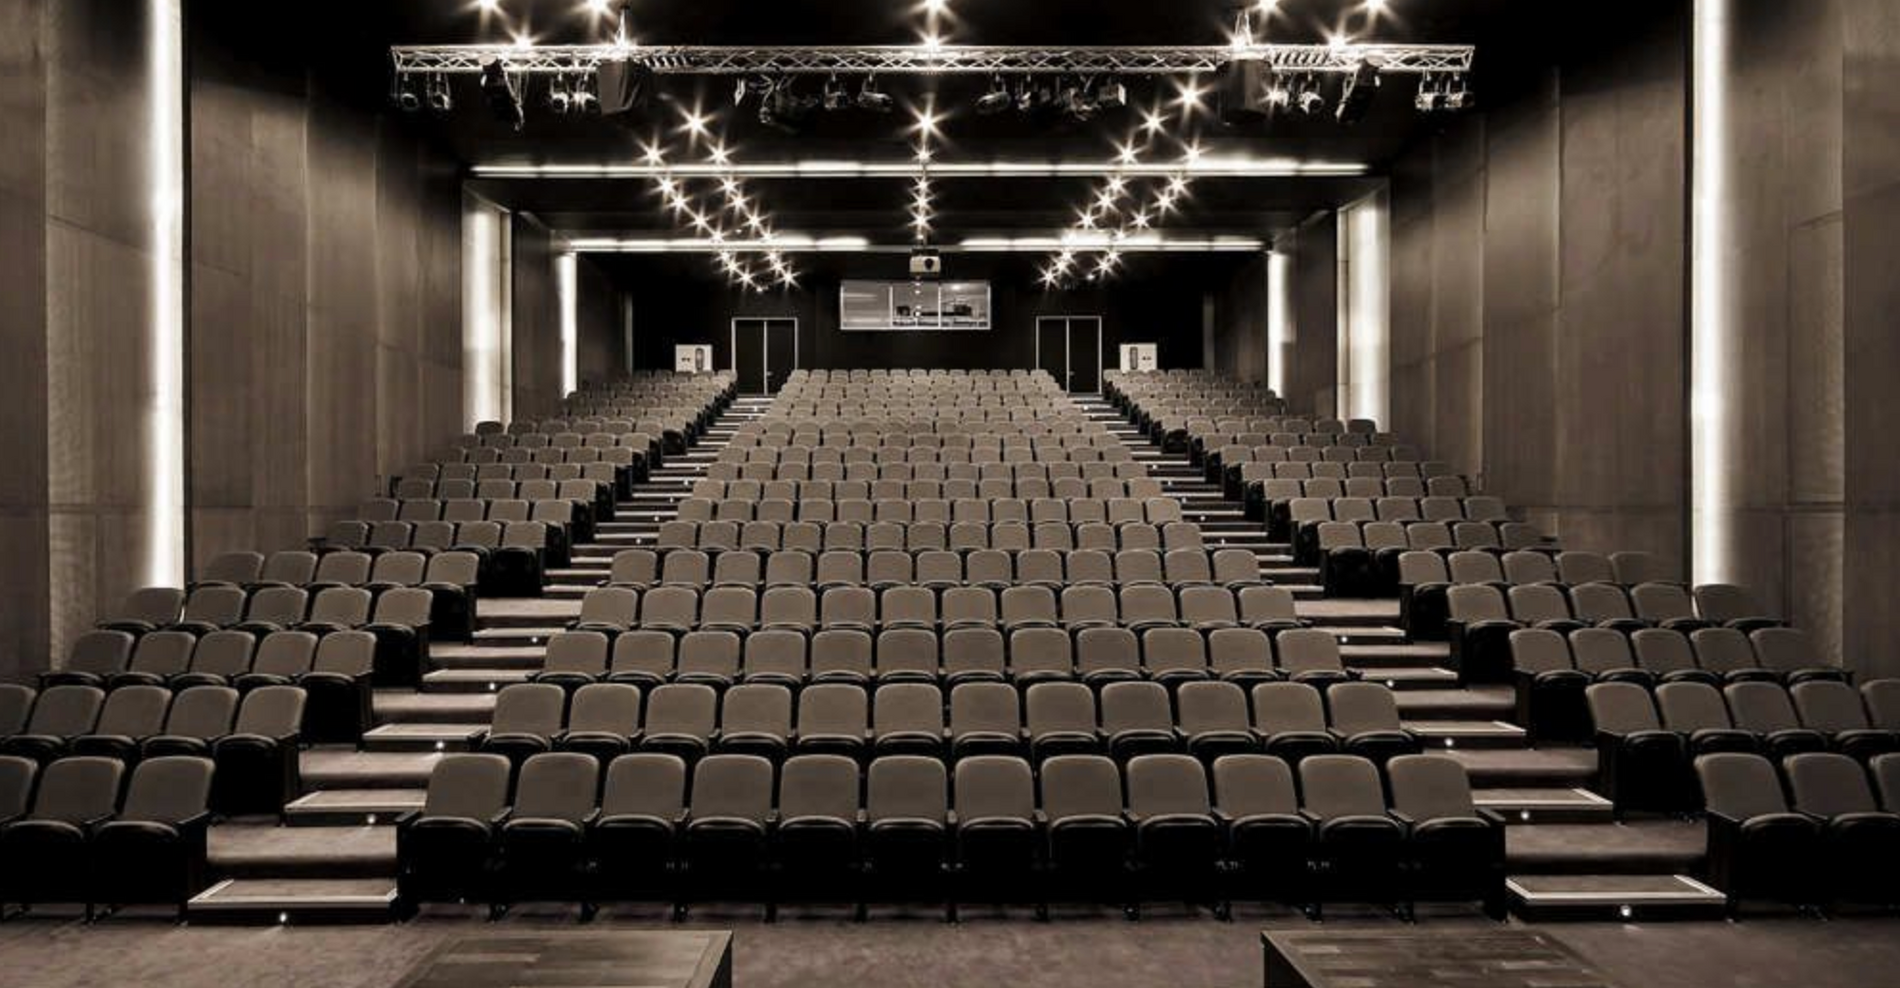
(1359, 848)
(1548, 687)
(755, 719)
(259, 770)
(1178, 846)
(129, 715)
(153, 850)
(997, 835)
(1088, 830)
(42, 854)
(525, 720)
(1640, 765)
(1366, 719)
(1454, 849)
(60, 714)
(907, 821)
(443, 849)
(727, 826)
(338, 687)
(1859, 842)
(1834, 708)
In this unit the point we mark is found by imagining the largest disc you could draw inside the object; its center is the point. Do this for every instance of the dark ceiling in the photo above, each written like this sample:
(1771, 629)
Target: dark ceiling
(353, 50)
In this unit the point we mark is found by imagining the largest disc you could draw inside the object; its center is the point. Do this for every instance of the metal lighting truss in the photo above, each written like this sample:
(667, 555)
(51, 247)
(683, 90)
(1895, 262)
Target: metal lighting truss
(749, 60)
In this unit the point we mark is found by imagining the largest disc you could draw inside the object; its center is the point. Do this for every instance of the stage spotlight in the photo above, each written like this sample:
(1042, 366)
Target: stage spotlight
(1307, 95)
(784, 109)
(1111, 95)
(836, 96)
(1456, 94)
(871, 98)
(558, 100)
(1278, 95)
(622, 86)
(440, 98)
(580, 95)
(402, 93)
(1356, 98)
(499, 89)
(1074, 100)
(996, 100)
(1431, 96)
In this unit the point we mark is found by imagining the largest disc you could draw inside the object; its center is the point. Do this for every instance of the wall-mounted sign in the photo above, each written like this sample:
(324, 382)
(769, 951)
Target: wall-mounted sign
(692, 359)
(1140, 356)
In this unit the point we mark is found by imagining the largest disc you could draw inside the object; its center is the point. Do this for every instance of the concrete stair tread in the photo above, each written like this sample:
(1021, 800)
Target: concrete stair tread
(1571, 804)
(473, 680)
(404, 706)
(284, 901)
(348, 769)
(538, 608)
(1478, 703)
(352, 807)
(1527, 767)
(424, 736)
(250, 850)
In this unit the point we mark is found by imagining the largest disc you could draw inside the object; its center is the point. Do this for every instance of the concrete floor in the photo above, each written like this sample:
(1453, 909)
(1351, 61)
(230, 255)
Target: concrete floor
(818, 947)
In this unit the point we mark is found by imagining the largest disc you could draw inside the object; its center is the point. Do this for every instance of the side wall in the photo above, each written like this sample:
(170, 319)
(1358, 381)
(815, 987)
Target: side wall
(1538, 320)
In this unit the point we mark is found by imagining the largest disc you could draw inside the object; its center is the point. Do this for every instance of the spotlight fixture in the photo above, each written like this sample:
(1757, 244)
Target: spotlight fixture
(1111, 95)
(1240, 80)
(437, 92)
(558, 100)
(1361, 84)
(996, 100)
(785, 109)
(1431, 94)
(836, 96)
(1307, 95)
(1074, 100)
(1456, 94)
(402, 93)
(499, 89)
(873, 99)
(581, 98)
(1278, 95)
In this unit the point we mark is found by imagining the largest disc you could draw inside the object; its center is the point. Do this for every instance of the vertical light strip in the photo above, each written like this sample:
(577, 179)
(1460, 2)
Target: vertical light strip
(1711, 332)
(1279, 315)
(1365, 333)
(481, 326)
(165, 410)
(566, 298)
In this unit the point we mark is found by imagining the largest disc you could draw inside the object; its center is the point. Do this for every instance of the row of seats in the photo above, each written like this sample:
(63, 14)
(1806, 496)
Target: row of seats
(77, 830)
(888, 457)
(1115, 509)
(1290, 720)
(766, 445)
(1810, 830)
(1551, 668)
(791, 656)
(253, 739)
(1481, 617)
(511, 558)
(451, 578)
(436, 473)
(1424, 576)
(939, 569)
(1646, 741)
(1361, 559)
(632, 461)
(1071, 489)
(741, 609)
(169, 640)
(832, 473)
(908, 828)
(919, 536)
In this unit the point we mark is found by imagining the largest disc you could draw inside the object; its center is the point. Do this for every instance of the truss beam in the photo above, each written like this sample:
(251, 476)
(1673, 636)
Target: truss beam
(1006, 60)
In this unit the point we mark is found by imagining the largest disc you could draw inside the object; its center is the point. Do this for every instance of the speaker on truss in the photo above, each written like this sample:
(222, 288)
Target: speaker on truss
(624, 86)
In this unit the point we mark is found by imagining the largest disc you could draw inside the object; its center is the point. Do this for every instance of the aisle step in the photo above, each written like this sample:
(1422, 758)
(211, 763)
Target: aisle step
(288, 901)
(421, 737)
(1619, 898)
(352, 807)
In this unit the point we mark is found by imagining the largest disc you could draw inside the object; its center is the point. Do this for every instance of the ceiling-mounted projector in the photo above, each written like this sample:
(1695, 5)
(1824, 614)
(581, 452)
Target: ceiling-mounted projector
(925, 264)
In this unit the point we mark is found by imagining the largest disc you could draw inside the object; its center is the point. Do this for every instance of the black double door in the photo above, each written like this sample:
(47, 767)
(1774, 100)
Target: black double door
(764, 353)
(1070, 349)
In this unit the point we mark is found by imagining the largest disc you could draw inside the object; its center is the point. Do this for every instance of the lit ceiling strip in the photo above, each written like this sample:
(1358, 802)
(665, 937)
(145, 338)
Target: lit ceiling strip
(926, 59)
(1207, 166)
(798, 244)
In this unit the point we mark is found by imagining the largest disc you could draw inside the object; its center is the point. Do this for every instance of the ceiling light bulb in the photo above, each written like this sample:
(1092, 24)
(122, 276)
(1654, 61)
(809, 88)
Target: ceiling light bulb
(718, 154)
(930, 41)
(1116, 184)
(1375, 7)
(600, 8)
(923, 154)
(1189, 94)
(1152, 122)
(488, 6)
(523, 40)
(1140, 220)
(655, 155)
(1267, 6)
(1125, 153)
(936, 6)
(695, 123)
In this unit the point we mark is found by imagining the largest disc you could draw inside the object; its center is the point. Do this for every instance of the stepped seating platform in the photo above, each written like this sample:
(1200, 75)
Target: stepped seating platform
(332, 857)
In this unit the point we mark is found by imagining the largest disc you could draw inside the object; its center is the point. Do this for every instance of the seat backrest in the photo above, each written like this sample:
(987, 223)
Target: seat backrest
(1621, 708)
(819, 786)
(16, 785)
(992, 787)
(645, 784)
(1430, 787)
(756, 708)
(1081, 785)
(1333, 786)
(1535, 650)
(735, 787)
(76, 790)
(1786, 650)
(285, 653)
(1689, 707)
(1599, 650)
(348, 653)
(985, 707)
(1829, 706)
(467, 786)
(1722, 650)
(1284, 707)
(164, 653)
(66, 711)
(1739, 785)
(1136, 706)
(1163, 785)
(1828, 784)
(1252, 785)
(529, 708)
(605, 708)
(16, 705)
(101, 652)
(1882, 697)
(909, 787)
(682, 708)
(271, 712)
(1356, 708)
(1760, 707)
(1469, 602)
(1307, 650)
(1661, 650)
(134, 711)
(1211, 706)
(1051, 707)
(907, 707)
(168, 789)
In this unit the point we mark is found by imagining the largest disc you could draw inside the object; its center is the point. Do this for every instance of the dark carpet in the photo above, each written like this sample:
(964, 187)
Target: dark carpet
(915, 950)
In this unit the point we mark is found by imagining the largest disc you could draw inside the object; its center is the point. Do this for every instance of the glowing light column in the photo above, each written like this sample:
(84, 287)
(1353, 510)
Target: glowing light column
(1279, 318)
(165, 405)
(1711, 321)
(566, 296)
